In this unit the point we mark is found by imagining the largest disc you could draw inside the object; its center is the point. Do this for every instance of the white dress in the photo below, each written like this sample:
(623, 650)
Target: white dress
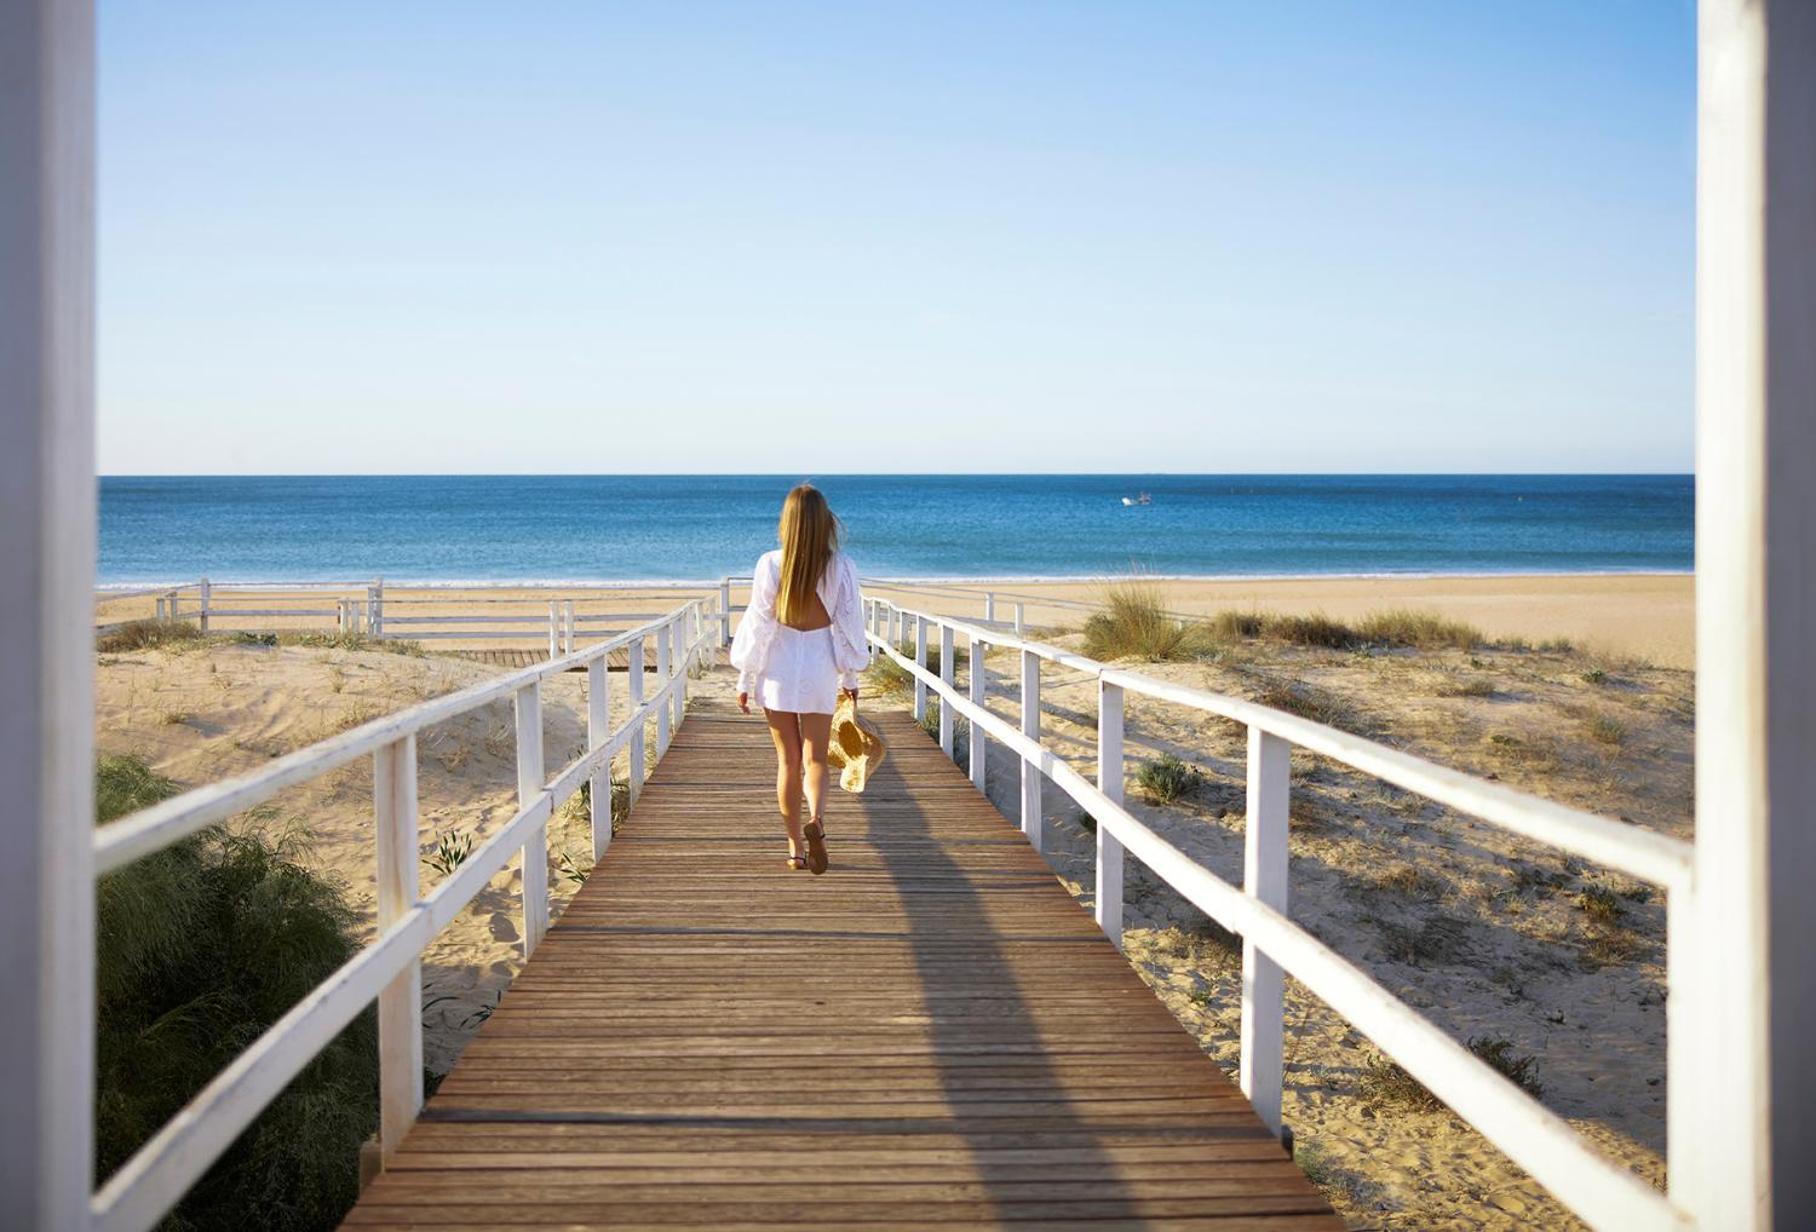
(797, 670)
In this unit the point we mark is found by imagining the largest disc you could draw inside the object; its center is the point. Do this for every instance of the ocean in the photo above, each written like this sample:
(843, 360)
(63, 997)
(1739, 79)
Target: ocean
(568, 528)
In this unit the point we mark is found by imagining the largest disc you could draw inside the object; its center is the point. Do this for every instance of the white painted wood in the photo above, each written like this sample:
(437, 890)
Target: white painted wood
(161, 617)
(376, 620)
(946, 656)
(677, 636)
(663, 671)
(47, 564)
(989, 607)
(920, 657)
(554, 631)
(633, 677)
(979, 672)
(151, 1182)
(535, 864)
(1030, 727)
(1110, 782)
(725, 612)
(1021, 624)
(206, 609)
(400, 1003)
(1265, 877)
(598, 731)
(1748, 925)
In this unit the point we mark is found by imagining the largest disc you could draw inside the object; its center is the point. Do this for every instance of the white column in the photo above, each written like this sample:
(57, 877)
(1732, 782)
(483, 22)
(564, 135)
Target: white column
(920, 659)
(400, 1004)
(946, 656)
(725, 612)
(536, 846)
(598, 731)
(1264, 876)
(1740, 1135)
(664, 666)
(1109, 781)
(47, 576)
(980, 680)
(1030, 726)
(634, 677)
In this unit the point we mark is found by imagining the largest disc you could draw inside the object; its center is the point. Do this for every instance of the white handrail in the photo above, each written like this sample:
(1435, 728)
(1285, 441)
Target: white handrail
(149, 1184)
(1560, 1159)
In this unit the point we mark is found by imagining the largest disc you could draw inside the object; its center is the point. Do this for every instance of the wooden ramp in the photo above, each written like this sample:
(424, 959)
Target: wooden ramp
(933, 1035)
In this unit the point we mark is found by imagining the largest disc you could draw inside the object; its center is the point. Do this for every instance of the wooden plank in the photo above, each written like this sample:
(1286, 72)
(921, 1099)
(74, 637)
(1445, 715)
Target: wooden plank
(934, 1031)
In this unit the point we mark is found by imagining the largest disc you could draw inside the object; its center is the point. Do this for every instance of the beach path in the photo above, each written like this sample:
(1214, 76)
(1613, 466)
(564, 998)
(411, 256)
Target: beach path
(932, 1035)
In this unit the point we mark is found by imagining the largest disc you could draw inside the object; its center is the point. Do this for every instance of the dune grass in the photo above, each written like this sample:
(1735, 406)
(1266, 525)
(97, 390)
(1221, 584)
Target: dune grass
(201, 947)
(146, 635)
(1134, 624)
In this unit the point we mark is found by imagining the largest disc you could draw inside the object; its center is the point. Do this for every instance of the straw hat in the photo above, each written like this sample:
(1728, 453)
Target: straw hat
(857, 747)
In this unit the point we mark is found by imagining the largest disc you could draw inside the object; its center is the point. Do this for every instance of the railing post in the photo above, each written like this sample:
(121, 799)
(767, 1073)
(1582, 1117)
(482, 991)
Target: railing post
(946, 655)
(1109, 782)
(677, 636)
(725, 611)
(554, 630)
(1030, 726)
(371, 609)
(567, 612)
(400, 1004)
(1021, 624)
(664, 666)
(375, 620)
(529, 786)
(635, 680)
(598, 731)
(161, 616)
(980, 680)
(989, 607)
(206, 593)
(1264, 877)
(920, 659)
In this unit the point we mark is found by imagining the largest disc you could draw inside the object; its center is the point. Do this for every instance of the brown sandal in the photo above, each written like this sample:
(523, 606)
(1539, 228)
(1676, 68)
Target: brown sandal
(815, 834)
(797, 863)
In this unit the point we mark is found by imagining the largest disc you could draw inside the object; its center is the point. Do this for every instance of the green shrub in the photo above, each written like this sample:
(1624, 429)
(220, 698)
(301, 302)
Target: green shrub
(146, 634)
(1165, 779)
(1134, 624)
(201, 946)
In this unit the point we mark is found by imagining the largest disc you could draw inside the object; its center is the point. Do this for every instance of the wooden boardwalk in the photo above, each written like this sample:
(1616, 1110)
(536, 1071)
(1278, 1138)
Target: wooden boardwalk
(933, 1035)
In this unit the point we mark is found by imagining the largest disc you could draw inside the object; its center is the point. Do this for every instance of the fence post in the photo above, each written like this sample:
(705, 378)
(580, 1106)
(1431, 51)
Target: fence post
(1264, 877)
(946, 656)
(989, 607)
(1030, 726)
(161, 616)
(980, 680)
(920, 659)
(664, 664)
(529, 785)
(567, 615)
(1021, 625)
(725, 611)
(205, 591)
(1109, 782)
(554, 629)
(375, 621)
(677, 634)
(598, 731)
(371, 608)
(400, 1004)
(635, 674)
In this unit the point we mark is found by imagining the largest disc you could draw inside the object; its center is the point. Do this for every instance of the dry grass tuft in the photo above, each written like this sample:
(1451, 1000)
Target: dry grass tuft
(146, 635)
(1134, 624)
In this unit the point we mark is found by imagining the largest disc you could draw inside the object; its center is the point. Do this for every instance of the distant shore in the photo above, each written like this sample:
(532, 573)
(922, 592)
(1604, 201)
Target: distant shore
(1644, 615)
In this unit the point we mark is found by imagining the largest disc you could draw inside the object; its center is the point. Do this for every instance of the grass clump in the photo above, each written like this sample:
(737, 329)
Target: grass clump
(1421, 630)
(1166, 779)
(1601, 905)
(1386, 1082)
(147, 635)
(451, 851)
(201, 947)
(1606, 729)
(1134, 624)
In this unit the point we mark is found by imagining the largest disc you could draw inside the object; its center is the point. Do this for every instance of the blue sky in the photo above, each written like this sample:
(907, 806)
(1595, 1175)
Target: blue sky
(597, 237)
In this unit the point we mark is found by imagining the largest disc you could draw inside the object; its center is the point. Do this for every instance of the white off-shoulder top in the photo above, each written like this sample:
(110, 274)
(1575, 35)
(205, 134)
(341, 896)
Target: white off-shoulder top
(757, 632)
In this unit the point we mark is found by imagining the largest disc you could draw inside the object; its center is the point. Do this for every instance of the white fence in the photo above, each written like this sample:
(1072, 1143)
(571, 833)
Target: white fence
(389, 970)
(1602, 1192)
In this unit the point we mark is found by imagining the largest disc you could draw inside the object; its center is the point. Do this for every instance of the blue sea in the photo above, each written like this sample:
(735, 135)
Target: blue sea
(460, 528)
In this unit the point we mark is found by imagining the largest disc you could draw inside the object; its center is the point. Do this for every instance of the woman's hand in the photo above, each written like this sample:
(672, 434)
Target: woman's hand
(744, 702)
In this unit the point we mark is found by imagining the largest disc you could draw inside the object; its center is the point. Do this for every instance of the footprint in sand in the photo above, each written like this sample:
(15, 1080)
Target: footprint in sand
(503, 927)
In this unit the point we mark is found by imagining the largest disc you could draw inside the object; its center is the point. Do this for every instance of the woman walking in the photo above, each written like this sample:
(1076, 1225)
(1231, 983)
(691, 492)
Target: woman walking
(801, 642)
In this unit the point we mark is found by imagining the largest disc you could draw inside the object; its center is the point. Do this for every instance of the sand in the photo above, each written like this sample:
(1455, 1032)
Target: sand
(1484, 932)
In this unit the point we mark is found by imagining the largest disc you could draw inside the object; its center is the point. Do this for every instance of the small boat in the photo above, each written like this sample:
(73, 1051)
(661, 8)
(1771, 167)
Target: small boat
(1142, 499)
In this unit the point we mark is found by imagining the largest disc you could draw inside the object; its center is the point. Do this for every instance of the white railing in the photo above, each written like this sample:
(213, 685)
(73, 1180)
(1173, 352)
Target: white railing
(148, 1185)
(1602, 1192)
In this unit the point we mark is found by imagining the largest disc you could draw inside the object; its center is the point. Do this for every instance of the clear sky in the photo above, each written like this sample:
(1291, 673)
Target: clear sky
(744, 236)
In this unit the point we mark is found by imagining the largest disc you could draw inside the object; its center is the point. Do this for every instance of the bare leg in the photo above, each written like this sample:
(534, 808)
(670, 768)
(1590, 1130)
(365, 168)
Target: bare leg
(816, 734)
(786, 732)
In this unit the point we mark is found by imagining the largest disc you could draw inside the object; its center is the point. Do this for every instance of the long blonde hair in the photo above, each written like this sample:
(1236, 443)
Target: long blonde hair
(810, 535)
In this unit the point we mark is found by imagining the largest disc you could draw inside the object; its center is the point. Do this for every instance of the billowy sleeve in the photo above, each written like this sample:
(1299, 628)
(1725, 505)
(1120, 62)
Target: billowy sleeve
(757, 630)
(850, 648)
